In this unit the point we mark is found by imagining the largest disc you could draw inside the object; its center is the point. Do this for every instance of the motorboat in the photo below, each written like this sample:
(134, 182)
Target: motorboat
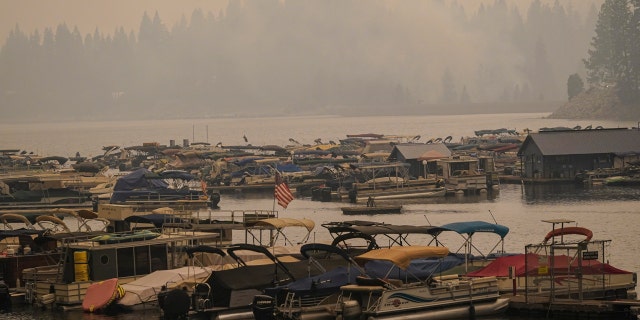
(229, 293)
(401, 294)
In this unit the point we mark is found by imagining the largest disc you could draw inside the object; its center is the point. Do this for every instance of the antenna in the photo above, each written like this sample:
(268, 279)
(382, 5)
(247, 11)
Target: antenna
(425, 217)
(492, 217)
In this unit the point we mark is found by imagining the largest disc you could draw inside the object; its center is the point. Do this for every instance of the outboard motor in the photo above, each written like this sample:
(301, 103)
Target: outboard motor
(351, 310)
(263, 307)
(175, 304)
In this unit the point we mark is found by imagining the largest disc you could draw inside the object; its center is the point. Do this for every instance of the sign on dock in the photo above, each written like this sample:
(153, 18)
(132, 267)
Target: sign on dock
(589, 255)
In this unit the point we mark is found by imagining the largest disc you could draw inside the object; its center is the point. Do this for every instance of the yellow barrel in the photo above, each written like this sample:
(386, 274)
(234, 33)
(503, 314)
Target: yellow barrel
(81, 267)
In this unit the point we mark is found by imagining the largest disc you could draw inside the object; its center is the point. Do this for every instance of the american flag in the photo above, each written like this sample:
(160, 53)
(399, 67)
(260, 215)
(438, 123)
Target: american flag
(282, 192)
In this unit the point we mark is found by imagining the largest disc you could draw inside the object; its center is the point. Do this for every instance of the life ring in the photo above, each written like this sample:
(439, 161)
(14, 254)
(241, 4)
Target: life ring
(569, 230)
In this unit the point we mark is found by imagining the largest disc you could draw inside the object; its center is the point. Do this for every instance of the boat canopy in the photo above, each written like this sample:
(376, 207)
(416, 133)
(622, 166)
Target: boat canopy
(280, 223)
(373, 229)
(402, 256)
(397, 234)
(471, 227)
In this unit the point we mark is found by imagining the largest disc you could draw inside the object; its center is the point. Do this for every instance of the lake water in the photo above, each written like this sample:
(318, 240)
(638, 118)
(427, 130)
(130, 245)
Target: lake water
(610, 212)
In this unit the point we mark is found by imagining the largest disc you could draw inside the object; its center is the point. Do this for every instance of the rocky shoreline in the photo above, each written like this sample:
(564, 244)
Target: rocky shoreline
(597, 103)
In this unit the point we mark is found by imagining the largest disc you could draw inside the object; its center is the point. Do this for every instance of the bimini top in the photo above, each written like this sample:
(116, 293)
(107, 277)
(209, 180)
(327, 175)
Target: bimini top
(279, 223)
(373, 229)
(471, 227)
(402, 256)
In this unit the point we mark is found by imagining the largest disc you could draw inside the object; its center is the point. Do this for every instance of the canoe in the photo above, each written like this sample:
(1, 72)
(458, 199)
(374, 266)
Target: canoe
(100, 294)
(372, 210)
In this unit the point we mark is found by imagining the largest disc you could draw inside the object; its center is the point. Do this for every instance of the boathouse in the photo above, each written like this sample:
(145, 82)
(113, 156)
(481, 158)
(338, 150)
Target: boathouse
(421, 157)
(564, 154)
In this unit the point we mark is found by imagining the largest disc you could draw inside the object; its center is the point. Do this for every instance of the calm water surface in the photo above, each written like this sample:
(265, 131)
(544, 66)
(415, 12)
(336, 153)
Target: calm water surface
(612, 213)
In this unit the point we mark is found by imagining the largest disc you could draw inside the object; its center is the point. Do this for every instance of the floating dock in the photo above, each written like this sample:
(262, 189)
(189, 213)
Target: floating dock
(573, 309)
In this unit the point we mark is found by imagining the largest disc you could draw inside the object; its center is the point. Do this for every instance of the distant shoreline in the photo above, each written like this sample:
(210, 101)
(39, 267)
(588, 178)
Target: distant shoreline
(329, 111)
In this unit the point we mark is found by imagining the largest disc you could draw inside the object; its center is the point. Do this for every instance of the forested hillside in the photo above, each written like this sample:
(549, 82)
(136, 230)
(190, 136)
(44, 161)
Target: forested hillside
(274, 57)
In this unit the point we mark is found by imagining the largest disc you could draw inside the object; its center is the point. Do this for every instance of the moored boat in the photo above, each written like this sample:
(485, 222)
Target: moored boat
(412, 297)
(377, 209)
(568, 263)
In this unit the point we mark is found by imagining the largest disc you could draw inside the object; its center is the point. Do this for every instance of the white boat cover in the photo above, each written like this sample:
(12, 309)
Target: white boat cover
(146, 289)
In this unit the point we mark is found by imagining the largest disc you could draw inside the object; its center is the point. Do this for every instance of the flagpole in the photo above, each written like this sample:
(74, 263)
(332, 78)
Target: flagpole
(275, 185)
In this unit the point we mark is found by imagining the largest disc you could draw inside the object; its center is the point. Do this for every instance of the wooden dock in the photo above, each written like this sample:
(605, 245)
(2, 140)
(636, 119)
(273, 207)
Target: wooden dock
(573, 308)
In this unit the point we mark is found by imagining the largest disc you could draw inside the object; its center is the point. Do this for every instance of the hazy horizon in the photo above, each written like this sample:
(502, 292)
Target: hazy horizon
(162, 59)
(88, 15)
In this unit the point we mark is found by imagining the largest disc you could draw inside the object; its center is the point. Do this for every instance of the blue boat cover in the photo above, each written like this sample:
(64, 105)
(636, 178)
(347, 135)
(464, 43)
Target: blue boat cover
(328, 282)
(471, 227)
(138, 180)
(421, 268)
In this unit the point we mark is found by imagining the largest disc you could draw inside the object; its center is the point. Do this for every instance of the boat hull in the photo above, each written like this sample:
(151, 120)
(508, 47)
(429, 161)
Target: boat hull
(372, 210)
(398, 195)
(456, 312)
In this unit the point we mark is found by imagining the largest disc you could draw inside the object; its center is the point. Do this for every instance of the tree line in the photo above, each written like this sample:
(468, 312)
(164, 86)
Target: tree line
(275, 57)
(614, 55)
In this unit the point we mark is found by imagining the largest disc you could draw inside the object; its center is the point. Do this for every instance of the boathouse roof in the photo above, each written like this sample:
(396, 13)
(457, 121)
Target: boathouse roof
(618, 141)
(411, 151)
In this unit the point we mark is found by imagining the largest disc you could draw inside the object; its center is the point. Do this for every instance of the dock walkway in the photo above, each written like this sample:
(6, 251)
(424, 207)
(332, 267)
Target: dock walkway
(574, 309)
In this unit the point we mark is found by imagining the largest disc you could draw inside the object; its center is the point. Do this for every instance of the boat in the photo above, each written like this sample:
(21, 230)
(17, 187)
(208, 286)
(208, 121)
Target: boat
(308, 296)
(377, 209)
(402, 193)
(148, 190)
(229, 293)
(372, 208)
(434, 297)
(42, 190)
(142, 293)
(85, 259)
(567, 263)
(390, 181)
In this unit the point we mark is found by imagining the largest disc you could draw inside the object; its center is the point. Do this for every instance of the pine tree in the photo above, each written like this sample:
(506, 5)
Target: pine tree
(575, 85)
(610, 58)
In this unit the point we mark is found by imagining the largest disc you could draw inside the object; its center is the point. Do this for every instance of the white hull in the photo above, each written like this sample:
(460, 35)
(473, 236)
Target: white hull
(444, 299)
(395, 195)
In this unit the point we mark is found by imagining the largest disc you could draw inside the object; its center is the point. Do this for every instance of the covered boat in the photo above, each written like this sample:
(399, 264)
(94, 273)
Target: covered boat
(436, 297)
(567, 263)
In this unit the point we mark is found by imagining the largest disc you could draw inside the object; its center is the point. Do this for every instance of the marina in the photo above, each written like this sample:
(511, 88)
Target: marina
(519, 206)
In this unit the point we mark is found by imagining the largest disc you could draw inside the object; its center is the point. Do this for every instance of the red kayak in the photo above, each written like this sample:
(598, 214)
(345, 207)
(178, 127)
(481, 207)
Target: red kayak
(101, 294)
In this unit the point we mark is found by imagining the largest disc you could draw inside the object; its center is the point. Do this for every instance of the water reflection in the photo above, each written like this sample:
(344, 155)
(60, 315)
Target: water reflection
(568, 193)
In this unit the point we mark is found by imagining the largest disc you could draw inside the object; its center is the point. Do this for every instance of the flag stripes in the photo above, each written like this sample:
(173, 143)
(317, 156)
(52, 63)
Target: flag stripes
(282, 192)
